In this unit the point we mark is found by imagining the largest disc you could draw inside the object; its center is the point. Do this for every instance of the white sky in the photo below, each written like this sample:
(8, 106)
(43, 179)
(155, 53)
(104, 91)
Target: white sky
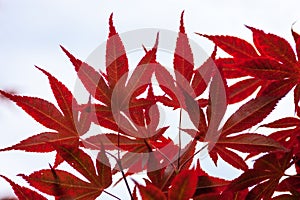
(31, 31)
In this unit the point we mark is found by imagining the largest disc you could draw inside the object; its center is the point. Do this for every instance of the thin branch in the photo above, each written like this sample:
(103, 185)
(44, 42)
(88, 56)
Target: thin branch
(123, 174)
(179, 142)
(202, 148)
(110, 194)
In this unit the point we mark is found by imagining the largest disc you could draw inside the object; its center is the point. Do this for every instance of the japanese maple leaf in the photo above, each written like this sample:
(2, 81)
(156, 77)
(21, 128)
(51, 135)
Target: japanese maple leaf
(115, 82)
(120, 109)
(23, 192)
(288, 131)
(265, 176)
(162, 174)
(188, 80)
(64, 185)
(66, 123)
(222, 141)
(271, 60)
(182, 187)
(290, 184)
(208, 186)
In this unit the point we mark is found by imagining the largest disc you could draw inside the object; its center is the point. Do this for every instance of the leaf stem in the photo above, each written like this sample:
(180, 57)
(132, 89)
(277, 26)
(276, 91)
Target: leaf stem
(125, 179)
(187, 160)
(123, 174)
(179, 142)
(110, 194)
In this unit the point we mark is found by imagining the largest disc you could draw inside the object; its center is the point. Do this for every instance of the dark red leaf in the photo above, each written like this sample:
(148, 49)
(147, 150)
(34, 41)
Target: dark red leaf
(265, 68)
(210, 196)
(263, 190)
(183, 185)
(248, 179)
(251, 142)
(255, 110)
(183, 56)
(116, 59)
(242, 89)
(208, 184)
(62, 184)
(80, 161)
(273, 46)
(265, 176)
(233, 45)
(23, 192)
(288, 138)
(103, 169)
(112, 141)
(37, 143)
(228, 66)
(285, 197)
(154, 169)
(283, 123)
(150, 192)
(198, 83)
(230, 157)
(91, 79)
(42, 111)
(290, 184)
(63, 96)
(297, 98)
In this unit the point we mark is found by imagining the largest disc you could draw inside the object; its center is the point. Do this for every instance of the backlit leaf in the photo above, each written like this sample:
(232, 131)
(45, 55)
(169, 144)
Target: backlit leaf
(183, 185)
(23, 192)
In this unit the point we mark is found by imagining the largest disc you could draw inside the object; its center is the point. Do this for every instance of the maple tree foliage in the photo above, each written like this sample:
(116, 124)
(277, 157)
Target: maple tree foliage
(270, 67)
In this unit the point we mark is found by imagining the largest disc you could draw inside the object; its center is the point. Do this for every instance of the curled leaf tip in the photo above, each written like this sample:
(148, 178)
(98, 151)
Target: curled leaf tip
(182, 29)
(112, 29)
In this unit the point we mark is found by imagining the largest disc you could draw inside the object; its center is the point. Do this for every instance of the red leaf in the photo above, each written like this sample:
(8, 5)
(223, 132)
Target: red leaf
(248, 178)
(265, 68)
(167, 84)
(255, 110)
(103, 169)
(298, 48)
(242, 89)
(183, 56)
(23, 192)
(62, 184)
(116, 59)
(42, 111)
(228, 66)
(297, 98)
(150, 192)
(263, 190)
(249, 115)
(112, 141)
(143, 72)
(91, 79)
(283, 123)
(233, 45)
(285, 197)
(232, 158)
(251, 142)
(273, 46)
(208, 184)
(183, 185)
(80, 161)
(154, 169)
(288, 138)
(37, 143)
(290, 184)
(63, 96)
(265, 176)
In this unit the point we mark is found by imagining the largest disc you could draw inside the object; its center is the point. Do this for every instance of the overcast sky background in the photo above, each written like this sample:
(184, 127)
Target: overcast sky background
(32, 30)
